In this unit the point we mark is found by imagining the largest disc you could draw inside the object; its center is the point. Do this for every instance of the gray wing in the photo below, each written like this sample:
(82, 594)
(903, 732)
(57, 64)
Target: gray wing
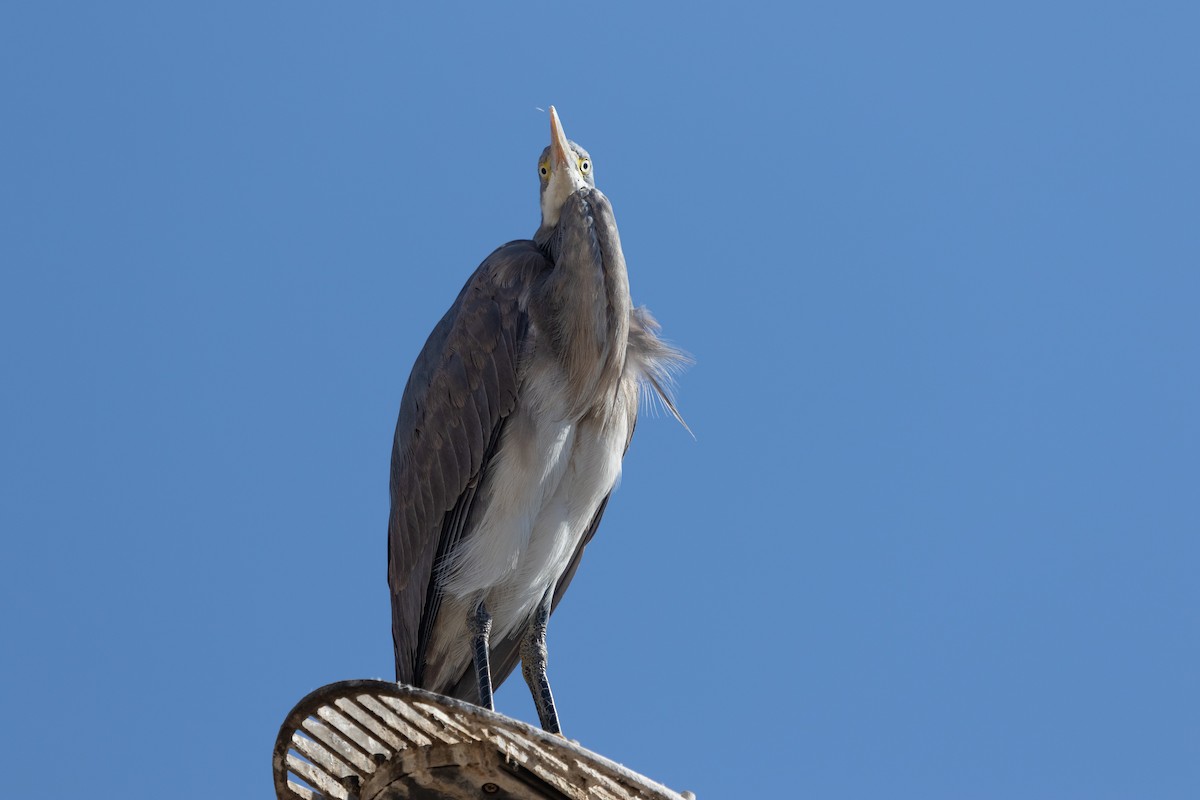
(462, 388)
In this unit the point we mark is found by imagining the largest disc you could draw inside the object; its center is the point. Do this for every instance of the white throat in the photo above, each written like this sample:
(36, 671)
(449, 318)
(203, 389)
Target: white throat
(563, 183)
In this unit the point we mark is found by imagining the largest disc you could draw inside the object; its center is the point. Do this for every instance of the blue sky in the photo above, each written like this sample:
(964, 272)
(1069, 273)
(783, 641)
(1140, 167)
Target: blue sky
(938, 264)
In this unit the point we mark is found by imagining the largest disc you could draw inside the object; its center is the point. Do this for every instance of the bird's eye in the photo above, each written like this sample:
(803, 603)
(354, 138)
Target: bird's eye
(585, 166)
(544, 169)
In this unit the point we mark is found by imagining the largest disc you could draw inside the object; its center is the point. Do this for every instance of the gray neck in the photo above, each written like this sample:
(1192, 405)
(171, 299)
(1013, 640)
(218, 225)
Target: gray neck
(584, 310)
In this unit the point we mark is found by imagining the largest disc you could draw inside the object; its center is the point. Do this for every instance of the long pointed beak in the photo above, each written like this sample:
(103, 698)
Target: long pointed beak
(565, 177)
(560, 151)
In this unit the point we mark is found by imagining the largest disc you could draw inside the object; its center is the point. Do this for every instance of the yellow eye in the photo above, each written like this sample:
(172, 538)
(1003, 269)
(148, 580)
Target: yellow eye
(585, 166)
(544, 169)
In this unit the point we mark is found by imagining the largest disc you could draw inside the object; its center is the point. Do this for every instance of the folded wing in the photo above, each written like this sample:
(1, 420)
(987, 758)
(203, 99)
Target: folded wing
(462, 388)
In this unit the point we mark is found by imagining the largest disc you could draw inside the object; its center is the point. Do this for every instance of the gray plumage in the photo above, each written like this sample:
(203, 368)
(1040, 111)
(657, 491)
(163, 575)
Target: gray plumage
(509, 441)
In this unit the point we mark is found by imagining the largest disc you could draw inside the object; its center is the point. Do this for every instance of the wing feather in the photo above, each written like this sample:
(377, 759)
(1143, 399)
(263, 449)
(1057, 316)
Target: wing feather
(461, 389)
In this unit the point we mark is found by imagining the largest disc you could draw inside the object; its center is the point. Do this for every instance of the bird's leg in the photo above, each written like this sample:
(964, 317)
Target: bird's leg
(533, 665)
(481, 629)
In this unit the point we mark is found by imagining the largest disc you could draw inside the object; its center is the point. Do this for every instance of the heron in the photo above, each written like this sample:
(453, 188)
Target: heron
(509, 442)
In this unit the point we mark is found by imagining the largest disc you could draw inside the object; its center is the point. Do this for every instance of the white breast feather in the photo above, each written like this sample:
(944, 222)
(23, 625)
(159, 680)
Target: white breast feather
(551, 474)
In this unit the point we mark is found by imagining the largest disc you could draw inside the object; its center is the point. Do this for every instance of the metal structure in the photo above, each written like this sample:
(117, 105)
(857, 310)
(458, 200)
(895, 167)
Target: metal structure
(509, 442)
(375, 740)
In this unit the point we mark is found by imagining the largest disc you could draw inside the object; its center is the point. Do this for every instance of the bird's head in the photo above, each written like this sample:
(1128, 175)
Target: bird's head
(564, 168)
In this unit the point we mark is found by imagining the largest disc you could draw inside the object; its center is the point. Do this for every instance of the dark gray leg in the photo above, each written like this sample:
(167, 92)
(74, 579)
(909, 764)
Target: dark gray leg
(533, 665)
(481, 629)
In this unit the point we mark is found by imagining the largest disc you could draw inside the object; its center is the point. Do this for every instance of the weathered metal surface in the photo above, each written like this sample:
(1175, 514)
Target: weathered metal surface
(375, 740)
